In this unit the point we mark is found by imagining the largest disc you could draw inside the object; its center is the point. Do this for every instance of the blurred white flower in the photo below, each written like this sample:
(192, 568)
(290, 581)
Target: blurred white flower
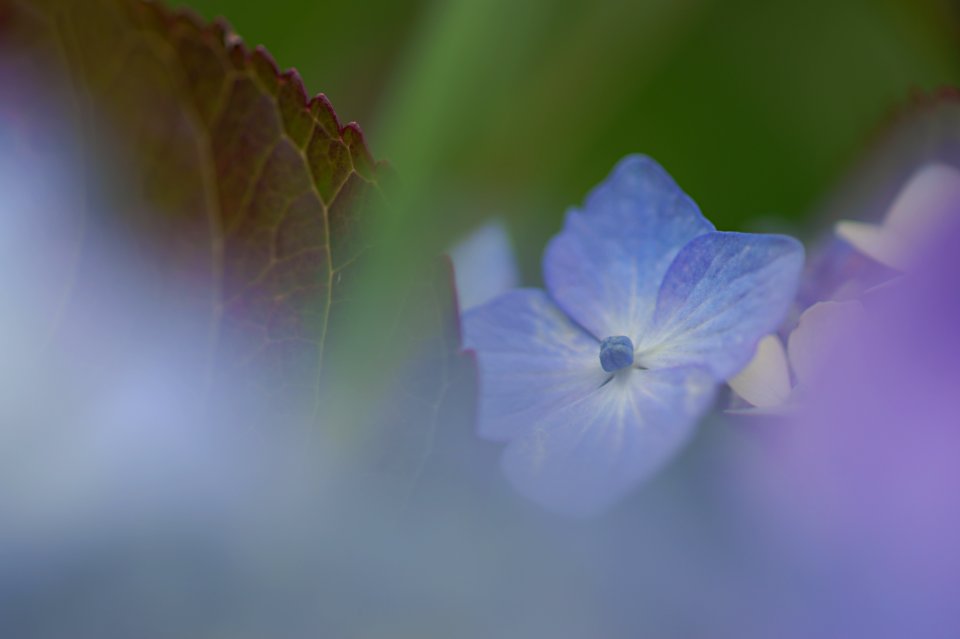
(774, 378)
(919, 209)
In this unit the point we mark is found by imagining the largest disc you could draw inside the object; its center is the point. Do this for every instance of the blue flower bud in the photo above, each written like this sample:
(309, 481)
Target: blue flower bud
(616, 353)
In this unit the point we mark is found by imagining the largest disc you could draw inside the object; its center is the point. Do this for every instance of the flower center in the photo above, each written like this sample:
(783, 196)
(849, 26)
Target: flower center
(616, 353)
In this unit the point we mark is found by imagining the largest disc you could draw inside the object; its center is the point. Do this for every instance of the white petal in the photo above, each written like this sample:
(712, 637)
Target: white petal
(921, 206)
(765, 382)
(925, 199)
(874, 241)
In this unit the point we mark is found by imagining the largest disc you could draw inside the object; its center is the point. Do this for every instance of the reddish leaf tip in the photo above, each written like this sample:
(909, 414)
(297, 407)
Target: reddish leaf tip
(187, 17)
(238, 54)
(323, 110)
(221, 28)
(266, 68)
(292, 79)
(363, 161)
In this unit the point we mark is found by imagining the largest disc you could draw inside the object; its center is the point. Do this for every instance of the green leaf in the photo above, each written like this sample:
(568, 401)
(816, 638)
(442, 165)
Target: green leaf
(429, 402)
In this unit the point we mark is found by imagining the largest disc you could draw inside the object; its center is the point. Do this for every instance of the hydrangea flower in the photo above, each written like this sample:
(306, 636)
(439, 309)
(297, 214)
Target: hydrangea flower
(596, 382)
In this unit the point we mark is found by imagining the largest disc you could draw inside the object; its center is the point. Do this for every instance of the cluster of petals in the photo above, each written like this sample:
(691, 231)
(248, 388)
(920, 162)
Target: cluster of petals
(776, 378)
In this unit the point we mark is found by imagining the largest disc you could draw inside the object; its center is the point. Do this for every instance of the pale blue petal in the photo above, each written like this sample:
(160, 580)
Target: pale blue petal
(722, 294)
(580, 458)
(604, 269)
(484, 265)
(532, 359)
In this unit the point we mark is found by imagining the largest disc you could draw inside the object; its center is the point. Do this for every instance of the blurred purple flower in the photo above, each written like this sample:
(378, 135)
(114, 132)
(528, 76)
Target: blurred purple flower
(862, 257)
(865, 476)
(598, 381)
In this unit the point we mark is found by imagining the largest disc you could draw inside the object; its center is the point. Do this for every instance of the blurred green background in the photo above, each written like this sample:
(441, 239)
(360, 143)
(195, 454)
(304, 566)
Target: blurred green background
(517, 108)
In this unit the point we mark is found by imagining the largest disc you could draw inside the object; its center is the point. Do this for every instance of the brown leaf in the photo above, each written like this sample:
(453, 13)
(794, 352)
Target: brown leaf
(235, 185)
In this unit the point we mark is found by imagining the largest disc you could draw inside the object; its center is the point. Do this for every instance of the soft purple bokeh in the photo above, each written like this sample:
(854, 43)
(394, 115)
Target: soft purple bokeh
(865, 479)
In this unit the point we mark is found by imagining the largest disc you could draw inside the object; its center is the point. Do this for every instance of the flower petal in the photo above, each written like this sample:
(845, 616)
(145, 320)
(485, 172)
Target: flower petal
(821, 331)
(925, 202)
(874, 241)
(928, 199)
(579, 459)
(484, 265)
(723, 292)
(605, 267)
(765, 382)
(532, 359)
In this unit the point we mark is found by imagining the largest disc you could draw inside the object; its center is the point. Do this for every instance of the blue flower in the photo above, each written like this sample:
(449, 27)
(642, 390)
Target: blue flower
(596, 382)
